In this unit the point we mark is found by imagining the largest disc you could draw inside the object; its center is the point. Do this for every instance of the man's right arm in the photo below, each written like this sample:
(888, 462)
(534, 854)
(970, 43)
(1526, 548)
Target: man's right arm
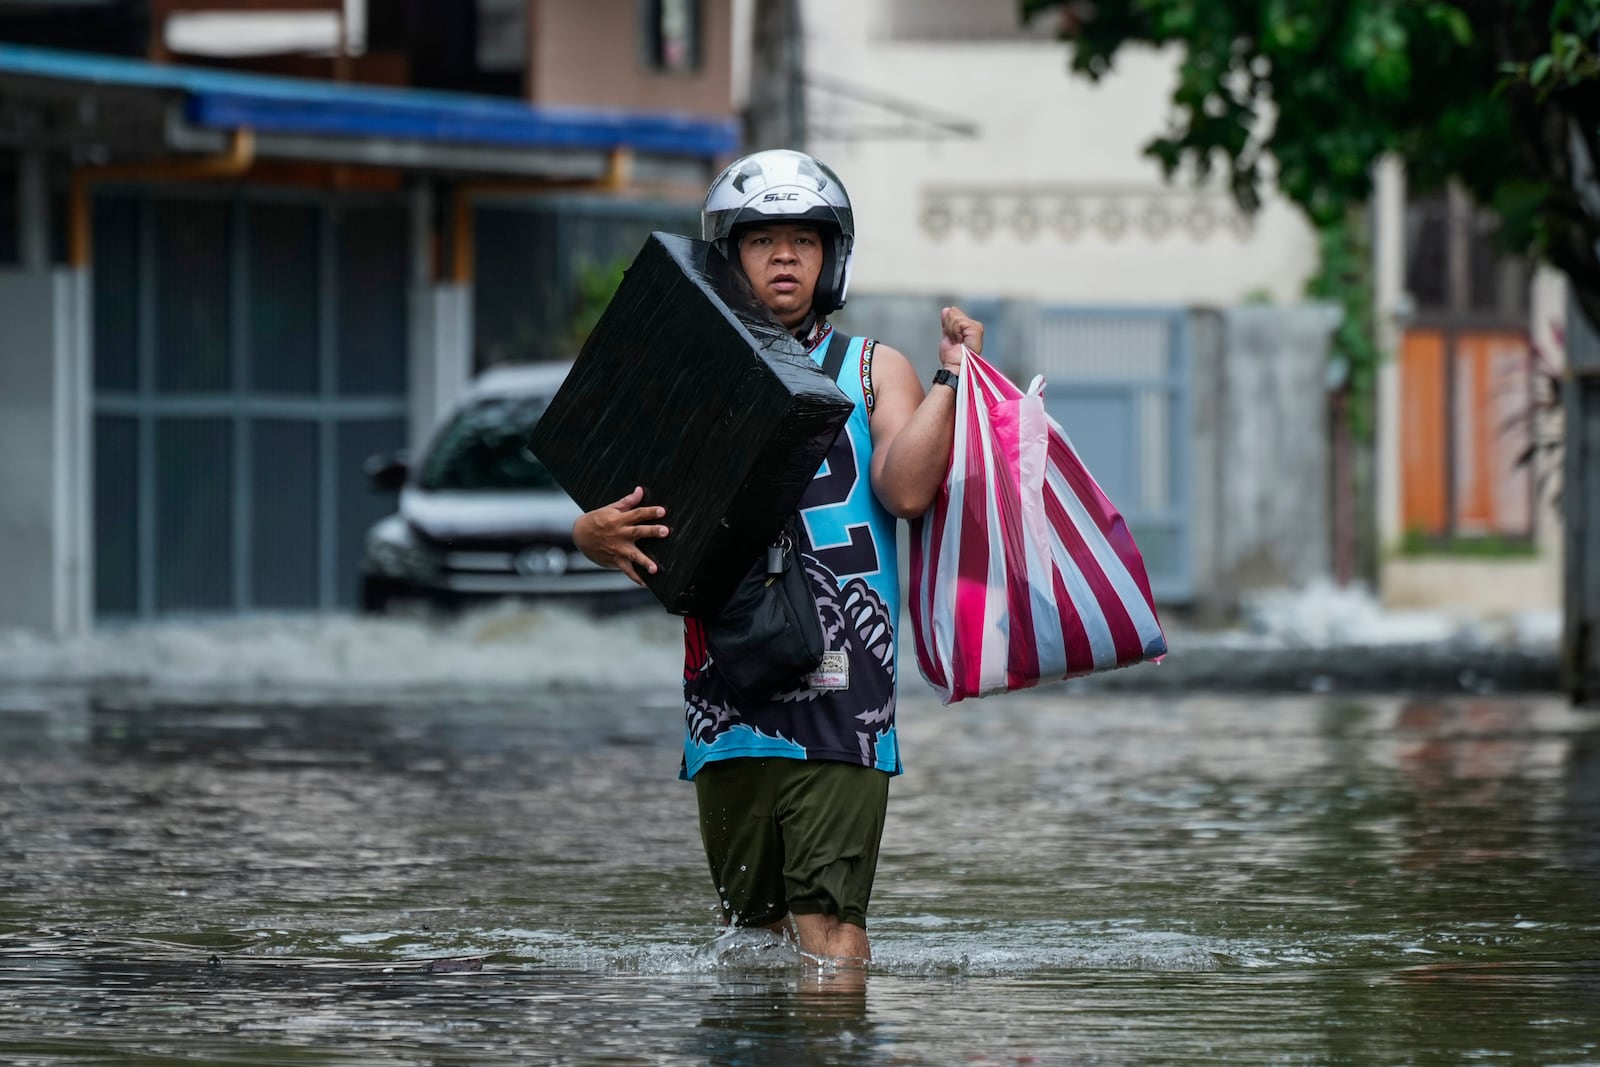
(610, 535)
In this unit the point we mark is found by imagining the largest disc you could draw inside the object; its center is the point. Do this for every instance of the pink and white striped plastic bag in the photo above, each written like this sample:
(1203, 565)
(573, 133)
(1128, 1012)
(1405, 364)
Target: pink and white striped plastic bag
(1022, 571)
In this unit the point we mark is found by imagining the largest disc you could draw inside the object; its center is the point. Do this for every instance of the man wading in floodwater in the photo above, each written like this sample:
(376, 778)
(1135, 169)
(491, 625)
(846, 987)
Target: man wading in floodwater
(792, 790)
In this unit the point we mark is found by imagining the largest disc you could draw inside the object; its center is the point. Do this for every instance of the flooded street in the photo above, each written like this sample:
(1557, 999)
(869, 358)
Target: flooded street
(250, 872)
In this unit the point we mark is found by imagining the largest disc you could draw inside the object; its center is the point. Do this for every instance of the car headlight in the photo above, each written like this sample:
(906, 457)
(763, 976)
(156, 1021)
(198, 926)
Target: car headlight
(541, 561)
(405, 558)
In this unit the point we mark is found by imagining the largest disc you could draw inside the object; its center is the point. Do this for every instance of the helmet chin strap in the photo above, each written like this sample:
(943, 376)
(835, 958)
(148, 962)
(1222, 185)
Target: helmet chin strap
(803, 332)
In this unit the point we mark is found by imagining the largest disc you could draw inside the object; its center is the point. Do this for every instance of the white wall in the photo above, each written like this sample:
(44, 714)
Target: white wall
(265, 33)
(45, 508)
(1043, 132)
(440, 358)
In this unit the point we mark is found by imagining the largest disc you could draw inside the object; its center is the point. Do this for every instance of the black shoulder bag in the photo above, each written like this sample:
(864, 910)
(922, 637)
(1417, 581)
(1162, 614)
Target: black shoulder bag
(767, 637)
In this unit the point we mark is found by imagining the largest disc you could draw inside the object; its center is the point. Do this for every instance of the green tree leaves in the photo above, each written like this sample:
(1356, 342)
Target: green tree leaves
(1494, 94)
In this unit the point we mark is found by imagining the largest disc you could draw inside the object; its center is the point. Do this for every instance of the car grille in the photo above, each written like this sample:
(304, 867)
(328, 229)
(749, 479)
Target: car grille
(540, 569)
(496, 562)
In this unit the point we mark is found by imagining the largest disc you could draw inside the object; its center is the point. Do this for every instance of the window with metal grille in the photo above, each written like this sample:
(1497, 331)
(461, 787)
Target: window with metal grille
(670, 35)
(1455, 264)
(1427, 265)
(502, 37)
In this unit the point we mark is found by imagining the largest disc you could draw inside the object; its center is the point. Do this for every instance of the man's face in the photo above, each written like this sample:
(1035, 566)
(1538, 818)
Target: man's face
(783, 261)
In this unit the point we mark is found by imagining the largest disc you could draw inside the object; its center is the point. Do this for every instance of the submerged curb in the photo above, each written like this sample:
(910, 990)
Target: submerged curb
(1430, 668)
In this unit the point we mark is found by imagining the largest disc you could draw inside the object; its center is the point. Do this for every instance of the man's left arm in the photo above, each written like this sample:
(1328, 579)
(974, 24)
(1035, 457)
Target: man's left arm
(912, 429)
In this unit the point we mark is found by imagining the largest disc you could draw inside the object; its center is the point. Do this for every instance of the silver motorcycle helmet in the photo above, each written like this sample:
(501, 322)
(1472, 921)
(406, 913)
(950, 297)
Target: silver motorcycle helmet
(782, 185)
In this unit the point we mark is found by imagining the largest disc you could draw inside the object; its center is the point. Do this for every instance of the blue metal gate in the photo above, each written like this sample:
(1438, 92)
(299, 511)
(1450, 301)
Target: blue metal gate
(249, 355)
(1120, 383)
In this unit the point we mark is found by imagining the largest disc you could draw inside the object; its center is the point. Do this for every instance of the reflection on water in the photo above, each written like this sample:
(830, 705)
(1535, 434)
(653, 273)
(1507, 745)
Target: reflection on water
(1065, 879)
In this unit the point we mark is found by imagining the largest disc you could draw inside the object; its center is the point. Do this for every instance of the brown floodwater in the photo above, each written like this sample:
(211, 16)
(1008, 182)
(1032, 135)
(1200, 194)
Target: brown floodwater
(1066, 878)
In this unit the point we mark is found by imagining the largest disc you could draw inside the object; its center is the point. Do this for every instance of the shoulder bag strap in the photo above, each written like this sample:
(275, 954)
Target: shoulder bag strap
(838, 348)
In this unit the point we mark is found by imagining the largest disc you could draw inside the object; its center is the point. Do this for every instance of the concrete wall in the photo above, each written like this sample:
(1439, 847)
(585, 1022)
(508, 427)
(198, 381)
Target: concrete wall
(981, 215)
(1581, 500)
(1259, 459)
(1272, 504)
(591, 54)
(440, 357)
(45, 561)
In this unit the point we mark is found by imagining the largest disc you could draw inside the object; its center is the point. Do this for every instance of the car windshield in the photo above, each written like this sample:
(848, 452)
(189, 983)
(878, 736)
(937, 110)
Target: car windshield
(484, 448)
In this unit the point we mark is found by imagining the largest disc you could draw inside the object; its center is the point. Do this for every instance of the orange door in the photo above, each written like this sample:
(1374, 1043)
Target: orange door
(1424, 464)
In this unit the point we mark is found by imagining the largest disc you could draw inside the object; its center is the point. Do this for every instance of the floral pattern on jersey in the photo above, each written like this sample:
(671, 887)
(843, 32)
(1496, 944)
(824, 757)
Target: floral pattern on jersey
(855, 620)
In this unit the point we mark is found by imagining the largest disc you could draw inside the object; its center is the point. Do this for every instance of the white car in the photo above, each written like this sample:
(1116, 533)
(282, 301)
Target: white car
(480, 518)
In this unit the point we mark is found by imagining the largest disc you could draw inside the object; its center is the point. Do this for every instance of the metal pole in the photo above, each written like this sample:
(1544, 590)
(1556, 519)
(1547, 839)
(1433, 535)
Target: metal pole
(1581, 508)
(33, 210)
(775, 116)
(795, 80)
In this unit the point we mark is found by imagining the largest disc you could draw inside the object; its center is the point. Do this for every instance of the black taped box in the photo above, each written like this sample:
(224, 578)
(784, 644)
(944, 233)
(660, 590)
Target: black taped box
(687, 387)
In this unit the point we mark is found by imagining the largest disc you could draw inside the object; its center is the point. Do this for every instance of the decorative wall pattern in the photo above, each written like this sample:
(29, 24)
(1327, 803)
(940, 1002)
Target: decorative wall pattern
(1070, 212)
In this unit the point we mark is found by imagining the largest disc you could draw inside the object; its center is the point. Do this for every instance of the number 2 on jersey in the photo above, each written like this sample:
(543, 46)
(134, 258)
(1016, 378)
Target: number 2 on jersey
(843, 547)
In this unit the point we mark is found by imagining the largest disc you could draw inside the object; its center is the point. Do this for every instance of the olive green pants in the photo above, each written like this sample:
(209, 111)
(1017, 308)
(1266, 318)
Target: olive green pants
(788, 835)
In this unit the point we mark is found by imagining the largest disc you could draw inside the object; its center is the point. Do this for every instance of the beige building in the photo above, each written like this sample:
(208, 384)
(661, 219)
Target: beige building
(982, 168)
(979, 164)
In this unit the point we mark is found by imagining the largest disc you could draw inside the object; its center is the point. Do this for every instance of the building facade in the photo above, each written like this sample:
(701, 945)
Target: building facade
(984, 171)
(979, 164)
(230, 277)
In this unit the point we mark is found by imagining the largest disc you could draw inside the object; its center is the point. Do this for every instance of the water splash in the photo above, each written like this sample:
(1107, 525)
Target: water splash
(497, 649)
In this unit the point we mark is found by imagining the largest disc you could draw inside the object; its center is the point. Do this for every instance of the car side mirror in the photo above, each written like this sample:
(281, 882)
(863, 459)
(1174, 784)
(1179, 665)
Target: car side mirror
(386, 473)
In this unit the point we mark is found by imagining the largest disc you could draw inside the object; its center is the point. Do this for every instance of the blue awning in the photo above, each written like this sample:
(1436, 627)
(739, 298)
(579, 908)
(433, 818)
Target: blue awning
(223, 100)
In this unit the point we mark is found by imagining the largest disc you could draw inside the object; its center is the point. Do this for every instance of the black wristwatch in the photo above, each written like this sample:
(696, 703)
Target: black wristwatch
(946, 376)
